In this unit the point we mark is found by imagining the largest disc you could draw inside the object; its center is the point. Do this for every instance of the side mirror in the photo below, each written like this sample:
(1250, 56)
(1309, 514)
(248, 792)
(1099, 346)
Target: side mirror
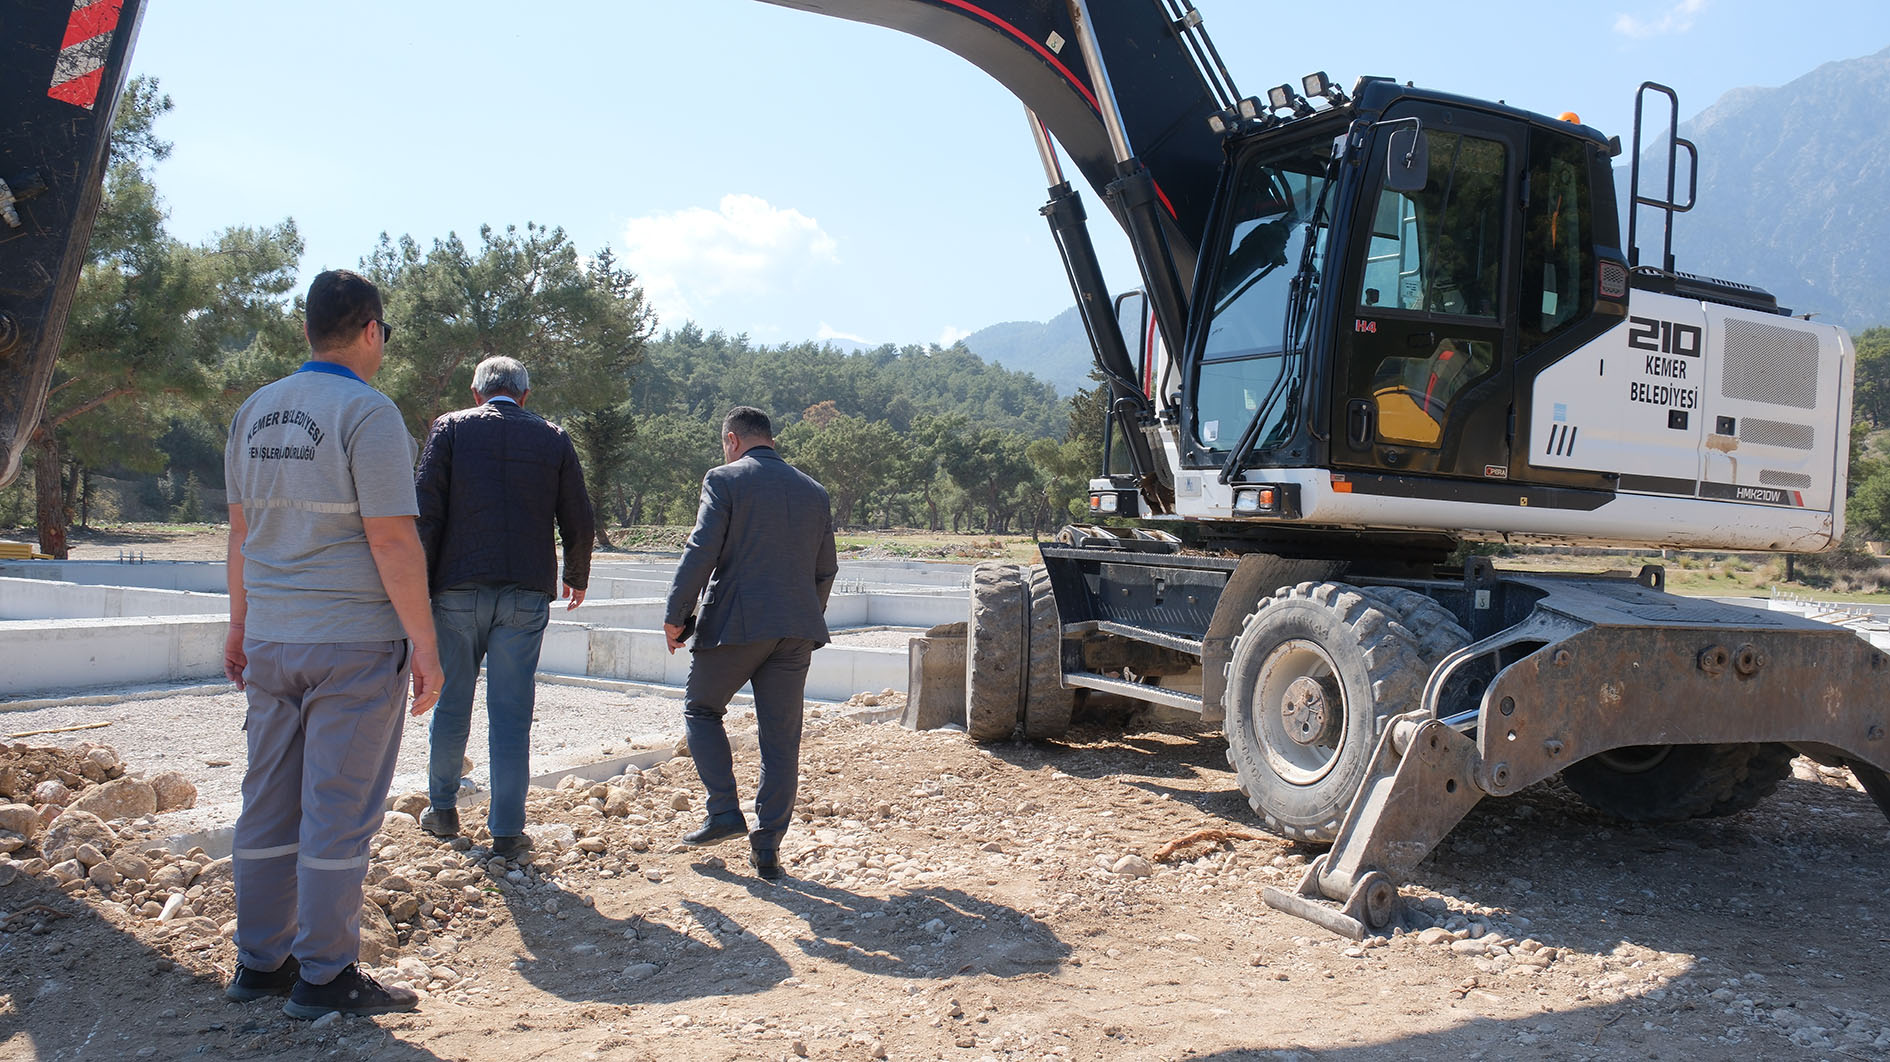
(1407, 159)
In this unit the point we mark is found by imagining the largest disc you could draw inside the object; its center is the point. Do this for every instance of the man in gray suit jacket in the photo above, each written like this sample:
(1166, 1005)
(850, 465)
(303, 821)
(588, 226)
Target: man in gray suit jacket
(763, 549)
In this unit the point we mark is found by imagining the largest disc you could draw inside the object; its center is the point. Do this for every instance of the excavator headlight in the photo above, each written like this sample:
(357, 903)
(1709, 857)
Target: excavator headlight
(1102, 503)
(1256, 500)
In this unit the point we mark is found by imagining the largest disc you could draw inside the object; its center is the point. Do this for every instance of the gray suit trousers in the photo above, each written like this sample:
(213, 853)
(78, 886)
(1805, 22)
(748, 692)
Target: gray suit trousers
(778, 671)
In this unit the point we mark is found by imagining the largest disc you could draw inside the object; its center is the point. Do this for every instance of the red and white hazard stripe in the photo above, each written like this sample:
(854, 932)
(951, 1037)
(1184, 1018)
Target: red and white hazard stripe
(81, 67)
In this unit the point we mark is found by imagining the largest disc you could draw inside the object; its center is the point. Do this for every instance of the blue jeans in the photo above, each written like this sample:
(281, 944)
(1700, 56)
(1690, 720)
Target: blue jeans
(504, 625)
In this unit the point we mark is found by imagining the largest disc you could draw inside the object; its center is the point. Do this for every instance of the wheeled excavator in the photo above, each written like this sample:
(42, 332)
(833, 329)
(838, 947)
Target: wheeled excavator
(1373, 325)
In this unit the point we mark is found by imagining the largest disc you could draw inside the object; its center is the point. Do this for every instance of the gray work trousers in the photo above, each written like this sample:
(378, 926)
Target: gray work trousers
(778, 671)
(324, 726)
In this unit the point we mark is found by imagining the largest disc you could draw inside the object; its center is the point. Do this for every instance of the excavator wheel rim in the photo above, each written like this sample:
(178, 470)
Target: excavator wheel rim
(1300, 754)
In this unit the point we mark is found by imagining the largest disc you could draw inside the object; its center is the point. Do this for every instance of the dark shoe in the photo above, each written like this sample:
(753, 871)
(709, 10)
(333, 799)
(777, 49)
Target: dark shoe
(511, 847)
(440, 823)
(247, 984)
(351, 992)
(717, 828)
(767, 865)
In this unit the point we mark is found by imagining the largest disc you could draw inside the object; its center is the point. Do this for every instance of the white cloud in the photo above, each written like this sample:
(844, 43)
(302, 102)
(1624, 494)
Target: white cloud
(828, 331)
(1677, 19)
(952, 334)
(691, 259)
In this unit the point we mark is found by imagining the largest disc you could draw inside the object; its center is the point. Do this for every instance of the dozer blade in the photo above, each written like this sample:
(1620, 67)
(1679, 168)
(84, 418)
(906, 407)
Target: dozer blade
(1595, 668)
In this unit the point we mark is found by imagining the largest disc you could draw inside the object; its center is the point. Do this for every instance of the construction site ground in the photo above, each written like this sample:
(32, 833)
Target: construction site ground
(951, 901)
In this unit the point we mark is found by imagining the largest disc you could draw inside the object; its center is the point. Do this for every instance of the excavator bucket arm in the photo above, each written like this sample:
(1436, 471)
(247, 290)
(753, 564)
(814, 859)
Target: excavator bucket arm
(62, 68)
(1030, 47)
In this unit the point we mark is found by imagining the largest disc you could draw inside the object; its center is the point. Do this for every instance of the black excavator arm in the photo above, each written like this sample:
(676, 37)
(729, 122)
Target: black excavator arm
(62, 68)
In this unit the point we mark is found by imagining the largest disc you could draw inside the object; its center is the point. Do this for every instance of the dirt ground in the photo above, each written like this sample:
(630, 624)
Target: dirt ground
(152, 542)
(947, 901)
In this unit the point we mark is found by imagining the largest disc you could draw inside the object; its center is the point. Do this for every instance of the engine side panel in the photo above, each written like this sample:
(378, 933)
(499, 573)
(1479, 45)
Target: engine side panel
(1688, 399)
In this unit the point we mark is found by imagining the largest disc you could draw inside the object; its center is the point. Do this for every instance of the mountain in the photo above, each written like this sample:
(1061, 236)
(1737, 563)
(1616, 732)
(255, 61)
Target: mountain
(1791, 196)
(1056, 350)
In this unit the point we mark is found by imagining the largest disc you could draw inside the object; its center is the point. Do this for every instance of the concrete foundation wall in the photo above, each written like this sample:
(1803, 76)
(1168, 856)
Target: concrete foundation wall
(837, 672)
(24, 599)
(72, 626)
(61, 657)
(843, 610)
(609, 579)
(64, 656)
(201, 576)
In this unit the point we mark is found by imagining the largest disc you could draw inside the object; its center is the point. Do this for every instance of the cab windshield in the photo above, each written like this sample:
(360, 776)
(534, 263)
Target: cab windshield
(1275, 210)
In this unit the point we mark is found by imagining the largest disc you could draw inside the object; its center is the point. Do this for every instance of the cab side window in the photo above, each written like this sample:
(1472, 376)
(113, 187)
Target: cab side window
(1440, 250)
(1558, 266)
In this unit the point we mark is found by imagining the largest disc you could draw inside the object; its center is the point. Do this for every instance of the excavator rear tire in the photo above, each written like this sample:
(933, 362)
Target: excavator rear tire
(1671, 783)
(997, 641)
(1434, 628)
(1047, 705)
(1316, 670)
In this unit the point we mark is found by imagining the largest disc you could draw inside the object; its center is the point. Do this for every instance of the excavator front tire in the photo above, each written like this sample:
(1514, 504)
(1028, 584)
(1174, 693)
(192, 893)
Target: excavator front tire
(1315, 670)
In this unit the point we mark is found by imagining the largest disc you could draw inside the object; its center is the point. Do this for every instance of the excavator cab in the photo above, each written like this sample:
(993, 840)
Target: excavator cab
(1379, 277)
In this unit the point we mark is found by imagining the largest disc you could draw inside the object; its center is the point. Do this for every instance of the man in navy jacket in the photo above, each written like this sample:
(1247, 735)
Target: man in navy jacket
(493, 481)
(761, 561)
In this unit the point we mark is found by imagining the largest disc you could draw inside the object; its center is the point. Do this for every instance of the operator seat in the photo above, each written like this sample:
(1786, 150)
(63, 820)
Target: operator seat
(1414, 394)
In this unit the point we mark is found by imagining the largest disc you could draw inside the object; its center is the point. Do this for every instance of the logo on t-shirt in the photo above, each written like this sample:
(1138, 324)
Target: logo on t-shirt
(293, 418)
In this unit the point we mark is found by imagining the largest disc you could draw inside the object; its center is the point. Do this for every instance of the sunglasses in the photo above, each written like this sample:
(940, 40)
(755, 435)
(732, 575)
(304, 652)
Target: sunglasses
(387, 330)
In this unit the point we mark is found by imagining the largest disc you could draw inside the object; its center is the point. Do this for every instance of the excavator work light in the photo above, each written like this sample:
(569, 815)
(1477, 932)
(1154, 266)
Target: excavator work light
(1315, 85)
(1249, 108)
(1280, 97)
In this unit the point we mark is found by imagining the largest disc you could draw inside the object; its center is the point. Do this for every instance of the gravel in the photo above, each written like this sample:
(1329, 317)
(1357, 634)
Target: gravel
(200, 735)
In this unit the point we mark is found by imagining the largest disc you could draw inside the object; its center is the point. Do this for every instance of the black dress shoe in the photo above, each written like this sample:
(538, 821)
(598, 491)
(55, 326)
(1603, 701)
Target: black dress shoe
(718, 828)
(767, 865)
(440, 823)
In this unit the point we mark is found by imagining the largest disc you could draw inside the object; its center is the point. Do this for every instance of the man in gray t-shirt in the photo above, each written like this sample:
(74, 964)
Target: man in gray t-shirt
(328, 616)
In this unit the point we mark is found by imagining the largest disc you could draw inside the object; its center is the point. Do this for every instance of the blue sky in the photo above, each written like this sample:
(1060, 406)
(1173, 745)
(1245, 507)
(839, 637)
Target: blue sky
(793, 176)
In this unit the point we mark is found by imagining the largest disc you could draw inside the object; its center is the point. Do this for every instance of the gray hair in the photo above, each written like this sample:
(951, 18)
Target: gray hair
(501, 376)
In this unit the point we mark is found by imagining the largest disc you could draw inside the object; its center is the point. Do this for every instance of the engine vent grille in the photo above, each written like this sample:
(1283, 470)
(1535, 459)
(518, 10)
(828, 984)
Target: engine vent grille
(1777, 433)
(1773, 478)
(1766, 363)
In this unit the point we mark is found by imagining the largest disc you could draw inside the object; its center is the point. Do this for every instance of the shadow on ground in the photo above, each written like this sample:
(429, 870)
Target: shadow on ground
(73, 986)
